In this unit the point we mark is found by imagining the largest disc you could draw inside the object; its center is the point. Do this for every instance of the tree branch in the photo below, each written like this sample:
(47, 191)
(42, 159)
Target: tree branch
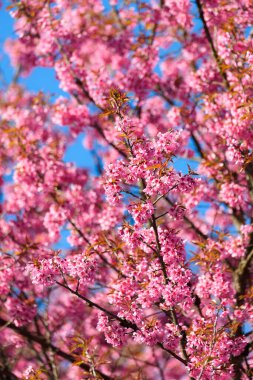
(46, 345)
(210, 40)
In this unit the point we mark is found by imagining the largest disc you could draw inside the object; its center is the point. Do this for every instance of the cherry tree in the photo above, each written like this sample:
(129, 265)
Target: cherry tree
(154, 280)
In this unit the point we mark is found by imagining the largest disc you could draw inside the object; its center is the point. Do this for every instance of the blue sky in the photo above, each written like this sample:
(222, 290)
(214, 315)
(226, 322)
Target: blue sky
(44, 79)
(41, 79)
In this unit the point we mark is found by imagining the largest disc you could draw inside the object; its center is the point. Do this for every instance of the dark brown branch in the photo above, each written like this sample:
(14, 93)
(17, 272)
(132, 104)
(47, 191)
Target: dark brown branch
(5, 371)
(241, 270)
(46, 345)
(85, 92)
(153, 224)
(197, 145)
(90, 303)
(172, 353)
(122, 321)
(191, 224)
(81, 234)
(237, 219)
(210, 40)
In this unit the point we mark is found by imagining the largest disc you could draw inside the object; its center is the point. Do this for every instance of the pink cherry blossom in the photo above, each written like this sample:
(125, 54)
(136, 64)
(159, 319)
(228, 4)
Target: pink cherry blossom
(137, 265)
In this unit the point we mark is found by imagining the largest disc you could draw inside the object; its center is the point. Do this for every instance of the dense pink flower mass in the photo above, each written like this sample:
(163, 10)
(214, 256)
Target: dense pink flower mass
(155, 278)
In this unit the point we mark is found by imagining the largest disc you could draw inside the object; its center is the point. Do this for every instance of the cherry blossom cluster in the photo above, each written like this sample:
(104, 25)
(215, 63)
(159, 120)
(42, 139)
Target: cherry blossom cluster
(137, 265)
